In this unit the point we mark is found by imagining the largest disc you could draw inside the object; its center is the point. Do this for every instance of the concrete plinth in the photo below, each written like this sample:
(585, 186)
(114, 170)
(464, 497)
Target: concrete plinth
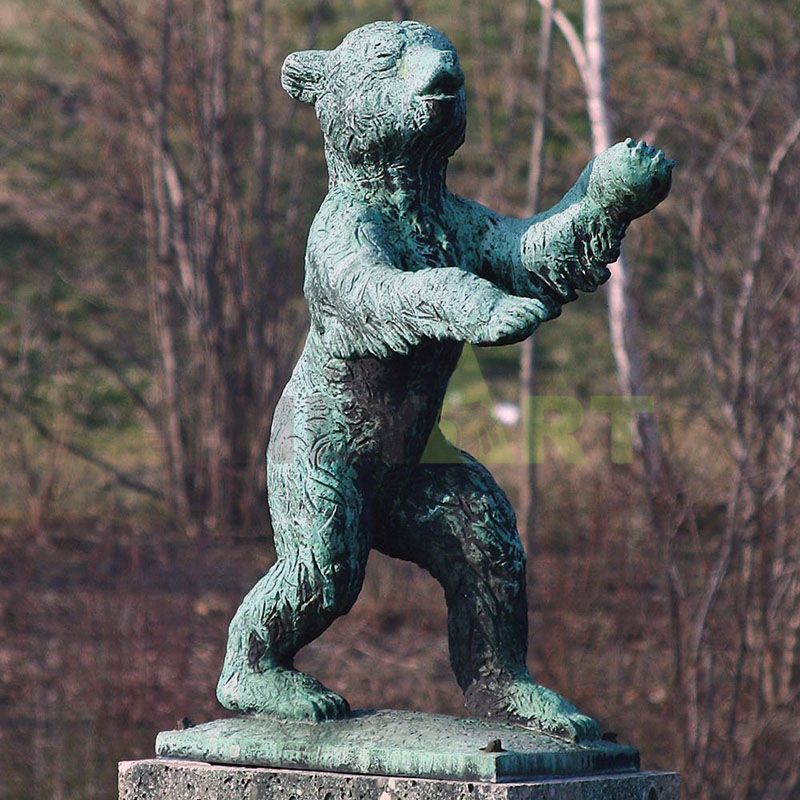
(166, 779)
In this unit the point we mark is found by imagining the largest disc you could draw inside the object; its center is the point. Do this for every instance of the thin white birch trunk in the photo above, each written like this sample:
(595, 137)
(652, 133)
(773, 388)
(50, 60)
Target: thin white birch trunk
(527, 365)
(622, 311)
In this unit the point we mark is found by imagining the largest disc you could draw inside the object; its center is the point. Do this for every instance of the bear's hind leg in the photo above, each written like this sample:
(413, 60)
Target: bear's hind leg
(283, 611)
(317, 578)
(454, 521)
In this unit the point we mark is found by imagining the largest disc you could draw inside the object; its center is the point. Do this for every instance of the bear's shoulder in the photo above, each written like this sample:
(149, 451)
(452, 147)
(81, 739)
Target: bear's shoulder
(347, 223)
(342, 222)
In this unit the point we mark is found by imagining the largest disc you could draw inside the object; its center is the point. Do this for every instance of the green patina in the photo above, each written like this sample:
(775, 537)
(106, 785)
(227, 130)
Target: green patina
(401, 743)
(400, 273)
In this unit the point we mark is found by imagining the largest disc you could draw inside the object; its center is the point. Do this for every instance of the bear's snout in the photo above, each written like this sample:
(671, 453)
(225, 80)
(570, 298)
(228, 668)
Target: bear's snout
(436, 73)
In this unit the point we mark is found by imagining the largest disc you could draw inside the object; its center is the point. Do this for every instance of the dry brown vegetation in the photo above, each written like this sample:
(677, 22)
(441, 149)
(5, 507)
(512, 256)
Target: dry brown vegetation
(115, 634)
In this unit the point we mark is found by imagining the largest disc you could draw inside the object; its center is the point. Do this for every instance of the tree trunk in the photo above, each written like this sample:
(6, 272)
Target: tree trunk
(527, 366)
(622, 312)
(402, 9)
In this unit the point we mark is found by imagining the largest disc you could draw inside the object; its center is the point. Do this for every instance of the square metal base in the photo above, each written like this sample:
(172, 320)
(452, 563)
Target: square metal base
(399, 743)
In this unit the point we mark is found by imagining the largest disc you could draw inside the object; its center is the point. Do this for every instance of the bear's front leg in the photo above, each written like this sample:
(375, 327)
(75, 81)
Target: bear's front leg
(369, 307)
(363, 302)
(567, 250)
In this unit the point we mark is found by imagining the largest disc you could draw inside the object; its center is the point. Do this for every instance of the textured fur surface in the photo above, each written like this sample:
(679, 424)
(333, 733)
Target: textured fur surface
(400, 273)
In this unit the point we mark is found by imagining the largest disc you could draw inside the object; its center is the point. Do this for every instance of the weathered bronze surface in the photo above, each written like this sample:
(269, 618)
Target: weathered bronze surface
(400, 273)
(404, 743)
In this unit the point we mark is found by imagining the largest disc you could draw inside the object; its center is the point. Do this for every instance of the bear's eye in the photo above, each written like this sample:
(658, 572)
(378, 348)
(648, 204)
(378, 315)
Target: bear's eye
(383, 56)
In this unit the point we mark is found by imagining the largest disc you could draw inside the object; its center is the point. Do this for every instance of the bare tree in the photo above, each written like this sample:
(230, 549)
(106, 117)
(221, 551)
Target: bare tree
(733, 585)
(218, 293)
(749, 347)
(589, 54)
(527, 367)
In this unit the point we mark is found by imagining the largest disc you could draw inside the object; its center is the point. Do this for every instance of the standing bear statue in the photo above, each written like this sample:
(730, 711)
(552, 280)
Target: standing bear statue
(399, 274)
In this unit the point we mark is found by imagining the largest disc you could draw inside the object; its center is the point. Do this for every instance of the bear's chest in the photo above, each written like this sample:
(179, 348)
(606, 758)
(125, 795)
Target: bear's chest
(425, 242)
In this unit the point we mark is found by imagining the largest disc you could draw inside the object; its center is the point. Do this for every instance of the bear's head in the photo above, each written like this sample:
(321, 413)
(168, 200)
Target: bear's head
(390, 99)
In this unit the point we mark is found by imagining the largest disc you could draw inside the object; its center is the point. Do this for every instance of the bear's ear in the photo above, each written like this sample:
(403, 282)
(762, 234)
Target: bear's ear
(302, 74)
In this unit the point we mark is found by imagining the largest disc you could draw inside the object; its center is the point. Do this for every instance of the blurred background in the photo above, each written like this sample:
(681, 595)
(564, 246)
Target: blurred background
(156, 189)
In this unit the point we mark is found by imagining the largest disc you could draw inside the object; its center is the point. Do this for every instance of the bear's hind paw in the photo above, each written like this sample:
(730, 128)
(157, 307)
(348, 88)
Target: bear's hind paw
(281, 693)
(523, 701)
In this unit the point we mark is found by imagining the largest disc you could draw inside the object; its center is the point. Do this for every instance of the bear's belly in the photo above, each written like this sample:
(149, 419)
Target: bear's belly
(393, 404)
(374, 415)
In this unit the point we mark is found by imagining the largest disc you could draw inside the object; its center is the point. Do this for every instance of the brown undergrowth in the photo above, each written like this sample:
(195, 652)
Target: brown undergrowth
(112, 635)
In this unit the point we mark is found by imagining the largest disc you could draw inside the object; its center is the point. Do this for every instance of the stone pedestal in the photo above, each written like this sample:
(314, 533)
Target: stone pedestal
(167, 779)
(386, 755)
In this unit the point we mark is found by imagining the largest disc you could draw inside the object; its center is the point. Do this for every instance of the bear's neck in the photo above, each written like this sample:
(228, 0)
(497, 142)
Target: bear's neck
(407, 187)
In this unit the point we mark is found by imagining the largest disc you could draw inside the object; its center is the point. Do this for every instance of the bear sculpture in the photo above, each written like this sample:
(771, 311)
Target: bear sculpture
(399, 274)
